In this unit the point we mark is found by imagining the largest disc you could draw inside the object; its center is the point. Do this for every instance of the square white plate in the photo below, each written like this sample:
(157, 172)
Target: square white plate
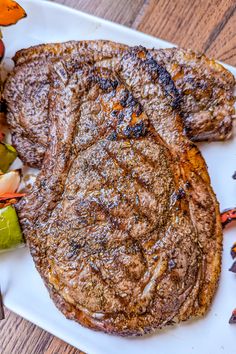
(22, 287)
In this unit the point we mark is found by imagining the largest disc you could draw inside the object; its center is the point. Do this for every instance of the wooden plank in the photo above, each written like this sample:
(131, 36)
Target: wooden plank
(205, 25)
(122, 11)
(19, 336)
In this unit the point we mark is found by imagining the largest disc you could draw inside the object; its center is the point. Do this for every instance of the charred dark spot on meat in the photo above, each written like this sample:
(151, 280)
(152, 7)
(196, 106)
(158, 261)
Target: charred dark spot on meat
(115, 112)
(159, 73)
(120, 117)
(42, 183)
(106, 84)
(187, 185)
(128, 100)
(127, 119)
(112, 136)
(178, 195)
(136, 131)
(74, 248)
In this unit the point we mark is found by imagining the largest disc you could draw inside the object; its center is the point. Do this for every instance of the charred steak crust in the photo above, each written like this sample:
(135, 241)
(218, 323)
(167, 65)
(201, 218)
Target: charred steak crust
(99, 50)
(205, 91)
(127, 234)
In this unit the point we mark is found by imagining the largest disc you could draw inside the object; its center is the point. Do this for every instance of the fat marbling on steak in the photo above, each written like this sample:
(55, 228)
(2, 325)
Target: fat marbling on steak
(122, 222)
(205, 89)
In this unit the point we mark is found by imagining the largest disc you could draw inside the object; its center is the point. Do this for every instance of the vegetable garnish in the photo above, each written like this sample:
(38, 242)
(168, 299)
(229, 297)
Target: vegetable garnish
(9, 182)
(7, 155)
(232, 319)
(233, 254)
(6, 196)
(233, 251)
(227, 216)
(10, 234)
(2, 315)
(10, 12)
(233, 268)
(4, 204)
(2, 50)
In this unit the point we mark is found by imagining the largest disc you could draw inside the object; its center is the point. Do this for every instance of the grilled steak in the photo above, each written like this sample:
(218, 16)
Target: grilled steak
(122, 222)
(205, 89)
(28, 87)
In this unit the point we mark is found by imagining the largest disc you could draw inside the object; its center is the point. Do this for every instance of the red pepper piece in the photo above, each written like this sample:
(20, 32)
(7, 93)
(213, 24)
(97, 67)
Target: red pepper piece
(2, 49)
(7, 202)
(227, 216)
(6, 196)
(232, 319)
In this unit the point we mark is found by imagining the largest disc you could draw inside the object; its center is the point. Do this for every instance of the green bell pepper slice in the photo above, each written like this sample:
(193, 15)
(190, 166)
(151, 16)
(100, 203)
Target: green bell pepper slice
(10, 231)
(7, 155)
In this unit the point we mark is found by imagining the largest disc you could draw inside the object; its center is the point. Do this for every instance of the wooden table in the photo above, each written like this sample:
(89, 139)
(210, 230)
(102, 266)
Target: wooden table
(204, 25)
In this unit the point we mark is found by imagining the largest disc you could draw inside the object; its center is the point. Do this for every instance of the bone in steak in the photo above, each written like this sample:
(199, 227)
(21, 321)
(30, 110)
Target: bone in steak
(122, 222)
(205, 90)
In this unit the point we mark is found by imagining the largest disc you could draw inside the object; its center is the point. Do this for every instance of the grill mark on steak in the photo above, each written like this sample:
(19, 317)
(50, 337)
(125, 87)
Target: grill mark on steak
(116, 226)
(130, 202)
(164, 78)
(130, 176)
(129, 172)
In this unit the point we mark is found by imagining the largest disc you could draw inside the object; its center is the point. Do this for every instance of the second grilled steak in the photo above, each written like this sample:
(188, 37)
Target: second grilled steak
(205, 91)
(28, 87)
(122, 222)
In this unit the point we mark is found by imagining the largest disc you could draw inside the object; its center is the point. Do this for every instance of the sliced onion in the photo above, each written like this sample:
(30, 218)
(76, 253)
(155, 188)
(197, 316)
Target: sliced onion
(9, 182)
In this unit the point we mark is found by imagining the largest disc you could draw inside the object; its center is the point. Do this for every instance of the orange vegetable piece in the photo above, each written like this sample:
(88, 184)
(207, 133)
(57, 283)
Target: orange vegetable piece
(6, 196)
(227, 216)
(10, 12)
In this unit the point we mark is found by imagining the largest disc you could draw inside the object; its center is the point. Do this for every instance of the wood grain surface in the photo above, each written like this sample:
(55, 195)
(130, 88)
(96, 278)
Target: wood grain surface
(204, 25)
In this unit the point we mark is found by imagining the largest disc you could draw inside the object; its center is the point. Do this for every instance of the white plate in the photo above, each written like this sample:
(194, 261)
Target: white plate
(22, 287)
